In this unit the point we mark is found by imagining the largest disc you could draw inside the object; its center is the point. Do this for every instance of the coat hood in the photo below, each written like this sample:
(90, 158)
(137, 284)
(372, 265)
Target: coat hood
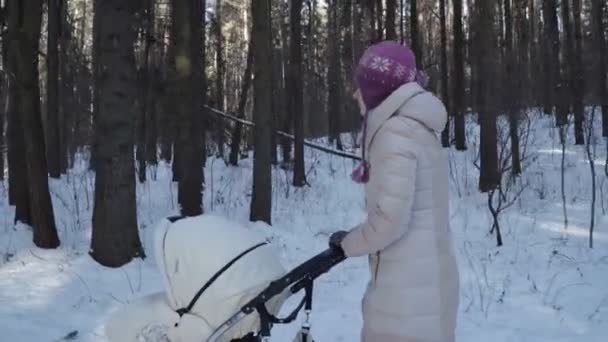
(412, 101)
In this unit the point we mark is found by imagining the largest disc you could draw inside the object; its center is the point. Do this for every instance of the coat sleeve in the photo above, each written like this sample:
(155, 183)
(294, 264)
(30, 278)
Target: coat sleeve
(392, 184)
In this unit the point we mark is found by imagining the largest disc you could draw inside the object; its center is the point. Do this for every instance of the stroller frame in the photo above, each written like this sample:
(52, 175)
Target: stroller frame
(300, 278)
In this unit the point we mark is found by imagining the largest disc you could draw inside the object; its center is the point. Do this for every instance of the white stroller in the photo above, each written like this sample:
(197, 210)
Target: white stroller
(223, 283)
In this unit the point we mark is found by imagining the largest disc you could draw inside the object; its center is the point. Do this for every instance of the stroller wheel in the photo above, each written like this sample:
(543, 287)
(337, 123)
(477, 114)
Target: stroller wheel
(303, 336)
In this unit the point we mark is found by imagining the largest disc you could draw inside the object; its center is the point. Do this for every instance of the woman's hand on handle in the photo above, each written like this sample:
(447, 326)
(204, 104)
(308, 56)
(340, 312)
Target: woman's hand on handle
(335, 241)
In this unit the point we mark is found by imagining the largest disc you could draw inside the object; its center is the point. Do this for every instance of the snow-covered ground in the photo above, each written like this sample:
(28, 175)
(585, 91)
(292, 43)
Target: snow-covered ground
(544, 284)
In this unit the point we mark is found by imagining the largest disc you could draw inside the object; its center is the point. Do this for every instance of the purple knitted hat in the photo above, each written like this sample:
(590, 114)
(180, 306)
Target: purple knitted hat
(383, 68)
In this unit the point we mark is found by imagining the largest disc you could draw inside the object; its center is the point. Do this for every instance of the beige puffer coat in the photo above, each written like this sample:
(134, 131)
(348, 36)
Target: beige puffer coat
(413, 294)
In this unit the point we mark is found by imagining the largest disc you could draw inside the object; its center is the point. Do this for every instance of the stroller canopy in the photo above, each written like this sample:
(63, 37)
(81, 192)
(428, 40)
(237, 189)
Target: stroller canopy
(211, 267)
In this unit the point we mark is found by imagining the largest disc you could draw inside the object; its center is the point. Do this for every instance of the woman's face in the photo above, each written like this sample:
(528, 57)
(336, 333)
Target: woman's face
(357, 97)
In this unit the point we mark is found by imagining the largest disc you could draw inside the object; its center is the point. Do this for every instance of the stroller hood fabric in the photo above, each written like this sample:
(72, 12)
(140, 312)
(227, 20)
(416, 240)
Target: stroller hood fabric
(188, 253)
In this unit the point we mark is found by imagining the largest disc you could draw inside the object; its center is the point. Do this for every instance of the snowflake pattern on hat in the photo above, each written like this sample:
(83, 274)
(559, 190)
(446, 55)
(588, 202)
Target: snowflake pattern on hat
(400, 71)
(381, 64)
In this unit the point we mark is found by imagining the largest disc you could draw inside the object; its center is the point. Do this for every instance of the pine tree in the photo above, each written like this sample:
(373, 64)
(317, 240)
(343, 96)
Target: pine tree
(296, 96)
(53, 148)
(26, 19)
(458, 84)
(262, 171)
(115, 239)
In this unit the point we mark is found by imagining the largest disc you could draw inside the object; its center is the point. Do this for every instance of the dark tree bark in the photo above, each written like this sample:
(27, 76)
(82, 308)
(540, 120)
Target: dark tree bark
(141, 123)
(145, 86)
(27, 18)
(4, 94)
(262, 171)
(333, 77)
(489, 176)
(401, 20)
(459, 85)
(533, 47)
(373, 19)
(152, 78)
(555, 88)
(550, 55)
(379, 14)
(18, 186)
(512, 75)
(115, 240)
(67, 94)
(189, 92)
(219, 81)
(297, 88)
(279, 100)
(199, 87)
(53, 149)
(96, 77)
(349, 111)
(391, 11)
(282, 86)
(416, 41)
(569, 69)
(237, 131)
(522, 52)
(445, 135)
(578, 76)
(599, 40)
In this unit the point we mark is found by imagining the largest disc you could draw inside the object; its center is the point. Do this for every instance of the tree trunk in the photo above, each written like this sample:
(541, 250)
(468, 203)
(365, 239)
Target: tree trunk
(67, 95)
(414, 32)
(391, 11)
(152, 78)
(115, 240)
(379, 15)
(445, 135)
(141, 123)
(578, 76)
(286, 115)
(373, 22)
(349, 111)
(262, 171)
(189, 95)
(522, 52)
(18, 186)
(402, 20)
(533, 48)
(555, 87)
(333, 77)
(52, 123)
(3, 112)
(96, 76)
(235, 142)
(489, 176)
(219, 81)
(598, 8)
(569, 70)
(27, 46)
(145, 87)
(459, 85)
(512, 77)
(296, 96)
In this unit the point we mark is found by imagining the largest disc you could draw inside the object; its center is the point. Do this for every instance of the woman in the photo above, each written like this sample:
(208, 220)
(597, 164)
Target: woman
(413, 293)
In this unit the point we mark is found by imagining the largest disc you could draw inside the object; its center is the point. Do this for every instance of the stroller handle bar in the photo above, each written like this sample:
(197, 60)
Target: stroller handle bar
(297, 279)
(307, 271)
